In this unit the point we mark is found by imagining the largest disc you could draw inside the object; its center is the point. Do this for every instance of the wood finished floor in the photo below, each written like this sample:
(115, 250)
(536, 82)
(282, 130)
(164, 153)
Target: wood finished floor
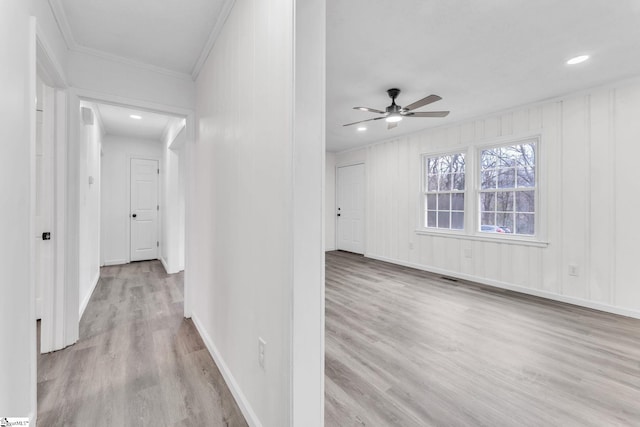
(138, 361)
(408, 348)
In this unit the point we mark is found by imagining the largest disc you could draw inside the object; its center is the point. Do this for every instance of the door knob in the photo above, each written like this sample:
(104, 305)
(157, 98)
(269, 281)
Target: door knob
(134, 215)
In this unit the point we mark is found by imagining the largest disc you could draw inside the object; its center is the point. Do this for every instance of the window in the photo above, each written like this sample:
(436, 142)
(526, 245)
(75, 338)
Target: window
(508, 189)
(443, 190)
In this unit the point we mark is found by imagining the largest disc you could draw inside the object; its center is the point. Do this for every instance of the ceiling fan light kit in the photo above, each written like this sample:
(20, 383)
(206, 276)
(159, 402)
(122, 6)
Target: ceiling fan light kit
(395, 113)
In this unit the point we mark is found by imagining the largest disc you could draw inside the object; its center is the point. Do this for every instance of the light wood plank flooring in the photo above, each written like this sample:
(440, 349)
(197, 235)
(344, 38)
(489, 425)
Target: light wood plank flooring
(408, 348)
(138, 361)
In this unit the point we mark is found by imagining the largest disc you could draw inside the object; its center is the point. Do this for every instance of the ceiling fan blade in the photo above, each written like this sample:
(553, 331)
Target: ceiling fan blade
(428, 114)
(362, 121)
(424, 101)
(392, 125)
(371, 110)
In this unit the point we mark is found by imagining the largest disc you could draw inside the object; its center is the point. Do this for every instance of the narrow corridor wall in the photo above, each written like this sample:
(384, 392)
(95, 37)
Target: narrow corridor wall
(256, 214)
(172, 199)
(17, 316)
(91, 135)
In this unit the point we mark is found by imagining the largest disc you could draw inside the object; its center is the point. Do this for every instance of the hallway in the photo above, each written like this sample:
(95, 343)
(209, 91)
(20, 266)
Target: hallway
(138, 361)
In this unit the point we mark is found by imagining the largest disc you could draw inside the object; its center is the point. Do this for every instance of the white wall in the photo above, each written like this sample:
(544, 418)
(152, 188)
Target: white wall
(17, 324)
(172, 200)
(52, 45)
(241, 269)
(97, 76)
(330, 202)
(182, 217)
(244, 211)
(42, 212)
(89, 255)
(116, 160)
(307, 229)
(588, 154)
(351, 157)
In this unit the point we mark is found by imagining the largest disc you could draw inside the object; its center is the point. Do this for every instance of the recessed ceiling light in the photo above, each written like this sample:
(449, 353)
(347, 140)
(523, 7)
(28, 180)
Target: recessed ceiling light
(578, 59)
(362, 129)
(135, 116)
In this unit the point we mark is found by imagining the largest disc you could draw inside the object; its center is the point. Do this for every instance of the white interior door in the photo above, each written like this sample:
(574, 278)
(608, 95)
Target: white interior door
(144, 209)
(350, 208)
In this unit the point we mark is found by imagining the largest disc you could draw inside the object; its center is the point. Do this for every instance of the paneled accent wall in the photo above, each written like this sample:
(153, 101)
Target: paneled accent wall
(588, 206)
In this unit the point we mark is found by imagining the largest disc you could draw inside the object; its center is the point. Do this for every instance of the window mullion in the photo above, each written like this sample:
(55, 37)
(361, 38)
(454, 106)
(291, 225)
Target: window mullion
(471, 191)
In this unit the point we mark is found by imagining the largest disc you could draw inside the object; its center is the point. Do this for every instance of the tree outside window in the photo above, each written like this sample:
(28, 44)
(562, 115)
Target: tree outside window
(443, 189)
(508, 189)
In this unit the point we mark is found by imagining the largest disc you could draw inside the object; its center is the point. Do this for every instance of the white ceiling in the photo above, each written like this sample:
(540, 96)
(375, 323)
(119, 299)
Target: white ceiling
(116, 121)
(480, 56)
(167, 34)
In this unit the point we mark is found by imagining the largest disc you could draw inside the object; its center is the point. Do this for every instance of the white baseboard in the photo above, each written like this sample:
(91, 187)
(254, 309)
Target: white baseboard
(115, 262)
(529, 291)
(85, 302)
(244, 405)
(165, 264)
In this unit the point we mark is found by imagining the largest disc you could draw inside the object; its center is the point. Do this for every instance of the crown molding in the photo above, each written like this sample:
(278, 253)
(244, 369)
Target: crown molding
(131, 62)
(60, 17)
(225, 11)
(47, 64)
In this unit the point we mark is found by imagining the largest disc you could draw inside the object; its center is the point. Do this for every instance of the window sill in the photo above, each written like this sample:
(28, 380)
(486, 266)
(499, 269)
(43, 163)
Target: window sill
(504, 239)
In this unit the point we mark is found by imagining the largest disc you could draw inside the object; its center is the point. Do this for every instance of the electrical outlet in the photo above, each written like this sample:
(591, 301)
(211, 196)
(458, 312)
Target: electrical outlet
(467, 253)
(261, 350)
(411, 245)
(573, 270)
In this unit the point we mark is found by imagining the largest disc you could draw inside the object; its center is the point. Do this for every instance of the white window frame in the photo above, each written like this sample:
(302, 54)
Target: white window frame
(422, 227)
(471, 230)
(478, 190)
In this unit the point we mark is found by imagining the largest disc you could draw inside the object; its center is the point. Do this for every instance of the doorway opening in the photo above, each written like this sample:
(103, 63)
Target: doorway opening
(142, 187)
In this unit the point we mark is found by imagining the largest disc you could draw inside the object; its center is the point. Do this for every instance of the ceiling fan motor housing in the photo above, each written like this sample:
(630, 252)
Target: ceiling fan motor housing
(393, 108)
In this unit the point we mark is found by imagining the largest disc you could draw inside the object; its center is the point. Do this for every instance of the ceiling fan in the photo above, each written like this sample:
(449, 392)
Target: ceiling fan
(394, 113)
